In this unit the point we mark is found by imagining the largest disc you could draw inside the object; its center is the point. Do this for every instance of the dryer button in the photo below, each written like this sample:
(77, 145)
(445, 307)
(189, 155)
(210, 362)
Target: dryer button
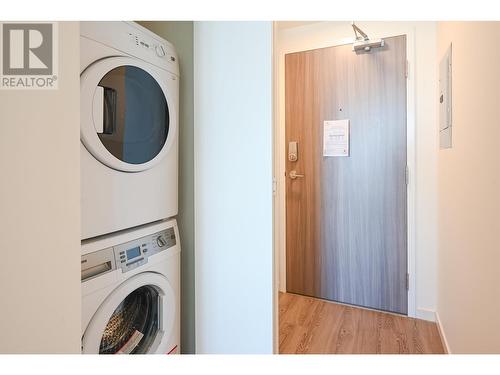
(160, 52)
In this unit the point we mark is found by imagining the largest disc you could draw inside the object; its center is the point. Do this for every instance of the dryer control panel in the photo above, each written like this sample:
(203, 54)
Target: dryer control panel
(126, 256)
(152, 46)
(134, 40)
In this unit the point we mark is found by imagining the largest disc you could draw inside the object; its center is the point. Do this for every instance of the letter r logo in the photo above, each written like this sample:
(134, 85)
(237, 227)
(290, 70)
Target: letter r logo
(27, 48)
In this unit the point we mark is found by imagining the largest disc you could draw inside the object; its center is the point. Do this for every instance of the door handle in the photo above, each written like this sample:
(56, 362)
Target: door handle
(110, 101)
(293, 175)
(98, 109)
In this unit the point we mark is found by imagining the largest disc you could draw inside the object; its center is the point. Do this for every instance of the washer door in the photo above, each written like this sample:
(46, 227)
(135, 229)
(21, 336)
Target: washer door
(127, 118)
(136, 318)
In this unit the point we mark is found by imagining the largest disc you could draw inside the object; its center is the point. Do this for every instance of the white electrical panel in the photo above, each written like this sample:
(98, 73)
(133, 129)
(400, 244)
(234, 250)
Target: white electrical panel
(445, 100)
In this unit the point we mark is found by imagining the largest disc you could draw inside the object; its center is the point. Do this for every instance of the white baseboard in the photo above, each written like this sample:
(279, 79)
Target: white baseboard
(426, 314)
(442, 335)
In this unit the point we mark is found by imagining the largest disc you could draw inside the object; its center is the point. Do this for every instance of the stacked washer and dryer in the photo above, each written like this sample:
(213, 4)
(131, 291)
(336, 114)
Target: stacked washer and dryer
(130, 264)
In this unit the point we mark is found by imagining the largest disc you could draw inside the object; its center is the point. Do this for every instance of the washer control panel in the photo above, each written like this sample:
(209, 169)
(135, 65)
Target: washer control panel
(126, 256)
(135, 253)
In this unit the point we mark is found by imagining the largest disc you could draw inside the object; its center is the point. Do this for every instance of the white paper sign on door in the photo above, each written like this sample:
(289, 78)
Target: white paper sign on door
(336, 138)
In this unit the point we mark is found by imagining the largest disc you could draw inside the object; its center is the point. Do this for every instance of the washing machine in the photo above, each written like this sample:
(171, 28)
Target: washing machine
(129, 99)
(130, 291)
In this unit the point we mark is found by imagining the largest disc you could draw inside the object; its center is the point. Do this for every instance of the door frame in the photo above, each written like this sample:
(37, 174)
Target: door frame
(279, 179)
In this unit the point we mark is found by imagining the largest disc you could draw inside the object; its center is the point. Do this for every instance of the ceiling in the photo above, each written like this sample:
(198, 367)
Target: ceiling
(281, 25)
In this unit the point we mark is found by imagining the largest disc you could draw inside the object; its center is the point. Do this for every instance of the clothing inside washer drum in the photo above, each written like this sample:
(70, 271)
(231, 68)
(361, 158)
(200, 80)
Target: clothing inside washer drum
(136, 318)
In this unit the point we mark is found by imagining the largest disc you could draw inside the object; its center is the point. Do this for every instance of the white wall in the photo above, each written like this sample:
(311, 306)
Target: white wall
(40, 213)
(469, 192)
(324, 34)
(233, 187)
(180, 33)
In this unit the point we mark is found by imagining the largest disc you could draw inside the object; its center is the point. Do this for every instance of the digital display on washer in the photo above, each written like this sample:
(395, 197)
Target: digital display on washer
(133, 253)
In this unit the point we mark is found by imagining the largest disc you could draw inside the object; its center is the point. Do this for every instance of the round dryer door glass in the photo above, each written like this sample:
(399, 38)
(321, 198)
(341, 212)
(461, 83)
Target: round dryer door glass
(135, 115)
(134, 324)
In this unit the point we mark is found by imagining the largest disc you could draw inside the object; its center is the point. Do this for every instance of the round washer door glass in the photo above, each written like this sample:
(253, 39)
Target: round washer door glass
(134, 324)
(135, 115)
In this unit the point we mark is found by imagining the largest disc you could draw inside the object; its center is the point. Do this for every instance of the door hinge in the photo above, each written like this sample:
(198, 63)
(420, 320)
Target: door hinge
(407, 175)
(407, 69)
(407, 281)
(275, 185)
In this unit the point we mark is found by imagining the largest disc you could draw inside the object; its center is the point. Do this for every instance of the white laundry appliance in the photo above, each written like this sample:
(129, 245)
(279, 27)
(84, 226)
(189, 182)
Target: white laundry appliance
(129, 87)
(130, 291)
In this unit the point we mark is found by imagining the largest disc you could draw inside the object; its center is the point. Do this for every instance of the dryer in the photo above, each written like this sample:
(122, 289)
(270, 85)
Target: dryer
(129, 100)
(130, 291)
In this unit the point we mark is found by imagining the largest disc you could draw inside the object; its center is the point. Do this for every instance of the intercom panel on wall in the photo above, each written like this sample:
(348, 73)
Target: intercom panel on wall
(445, 100)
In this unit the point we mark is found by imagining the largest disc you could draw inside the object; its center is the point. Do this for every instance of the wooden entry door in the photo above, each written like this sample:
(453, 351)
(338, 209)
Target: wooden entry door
(346, 220)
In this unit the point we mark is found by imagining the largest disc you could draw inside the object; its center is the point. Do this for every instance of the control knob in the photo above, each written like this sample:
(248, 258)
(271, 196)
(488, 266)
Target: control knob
(160, 51)
(161, 241)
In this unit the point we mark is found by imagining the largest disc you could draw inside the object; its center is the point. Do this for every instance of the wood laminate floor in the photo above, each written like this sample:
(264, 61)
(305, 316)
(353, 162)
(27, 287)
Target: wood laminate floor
(311, 325)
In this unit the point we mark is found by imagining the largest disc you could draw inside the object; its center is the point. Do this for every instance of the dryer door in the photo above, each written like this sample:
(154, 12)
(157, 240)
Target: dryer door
(136, 318)
(127, 115)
